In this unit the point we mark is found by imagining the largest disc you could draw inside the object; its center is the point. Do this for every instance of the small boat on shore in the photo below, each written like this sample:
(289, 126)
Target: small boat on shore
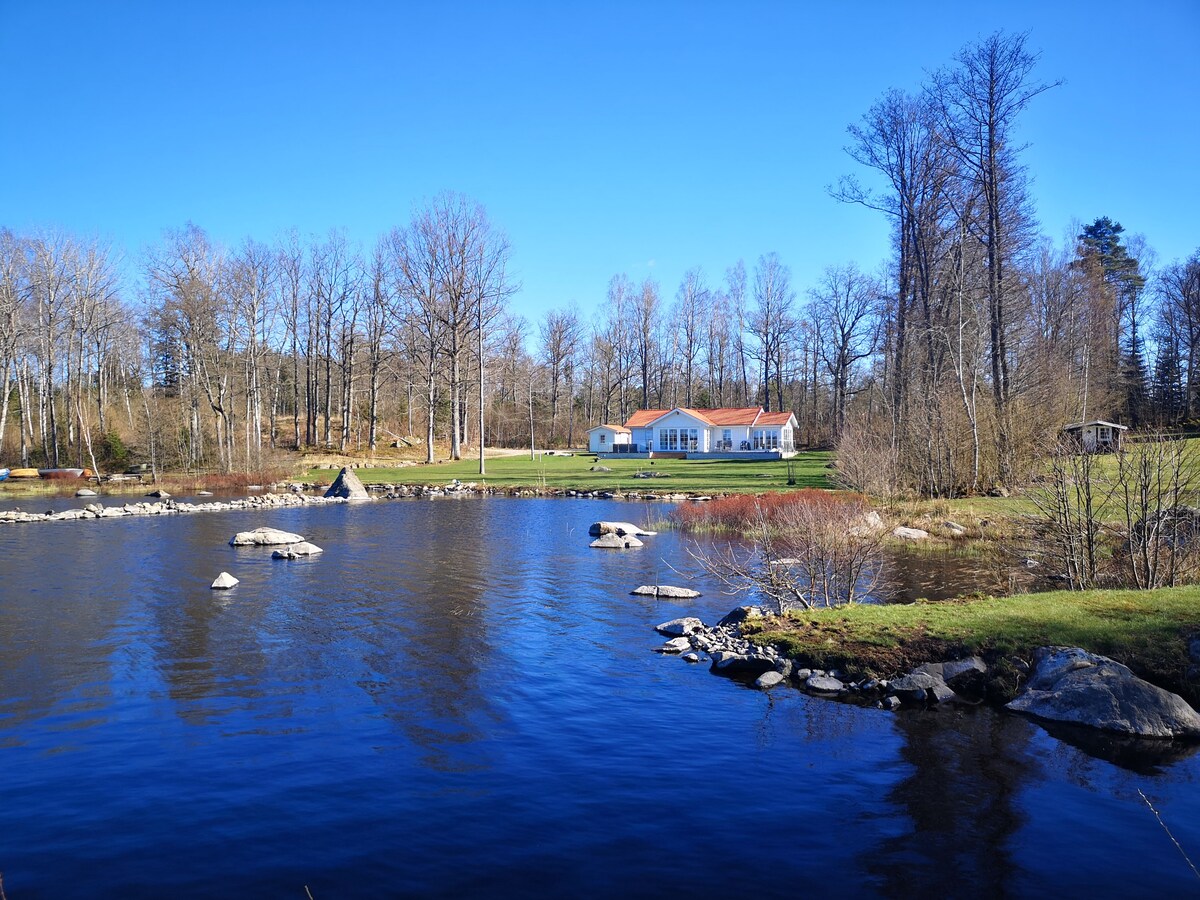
(23, 473)
(60, 473)
(3, 474)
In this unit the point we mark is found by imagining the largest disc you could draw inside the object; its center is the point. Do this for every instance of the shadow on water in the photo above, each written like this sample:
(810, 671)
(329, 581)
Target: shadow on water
(960, 800)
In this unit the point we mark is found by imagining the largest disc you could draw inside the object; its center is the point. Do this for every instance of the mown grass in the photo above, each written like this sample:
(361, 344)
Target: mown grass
(1147, 630)
(573, 472)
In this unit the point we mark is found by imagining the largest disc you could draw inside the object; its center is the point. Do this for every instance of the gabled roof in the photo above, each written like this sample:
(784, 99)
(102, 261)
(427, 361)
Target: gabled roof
(1078, 425)
(619, 429)
(645, 417)
(721, 417)
(775, 418)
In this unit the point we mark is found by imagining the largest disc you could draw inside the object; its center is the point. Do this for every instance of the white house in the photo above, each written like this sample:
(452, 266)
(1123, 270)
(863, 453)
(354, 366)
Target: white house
(729, 432)
(604, 438)
(1097, 436)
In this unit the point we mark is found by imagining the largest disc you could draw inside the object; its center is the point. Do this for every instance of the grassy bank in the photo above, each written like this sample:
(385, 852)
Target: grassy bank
(1146, 630)
(574, 472)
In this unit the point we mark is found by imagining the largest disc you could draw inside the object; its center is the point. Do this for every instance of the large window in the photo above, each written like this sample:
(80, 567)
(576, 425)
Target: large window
(679, 439)
(766, 440)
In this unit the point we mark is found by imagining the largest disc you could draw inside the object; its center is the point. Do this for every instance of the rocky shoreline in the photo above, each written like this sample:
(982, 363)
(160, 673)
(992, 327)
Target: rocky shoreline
(165, 507)
(1064, 684)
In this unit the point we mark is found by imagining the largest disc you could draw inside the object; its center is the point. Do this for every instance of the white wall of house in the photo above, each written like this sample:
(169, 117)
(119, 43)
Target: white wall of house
(677, 431)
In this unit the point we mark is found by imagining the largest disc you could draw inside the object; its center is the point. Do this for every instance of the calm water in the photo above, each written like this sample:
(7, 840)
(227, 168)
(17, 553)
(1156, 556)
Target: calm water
(459, 698)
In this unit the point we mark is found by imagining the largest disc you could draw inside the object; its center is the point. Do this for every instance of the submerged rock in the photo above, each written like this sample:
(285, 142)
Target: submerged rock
(264, 537)
(348, 486)
(224, 581)
(1069, 684)
(768, 679)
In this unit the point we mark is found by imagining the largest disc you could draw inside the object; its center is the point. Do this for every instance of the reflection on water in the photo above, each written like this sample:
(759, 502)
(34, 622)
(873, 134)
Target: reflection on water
(459, 697)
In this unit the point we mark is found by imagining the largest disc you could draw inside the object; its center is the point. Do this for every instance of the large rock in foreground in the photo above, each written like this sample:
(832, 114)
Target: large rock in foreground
(264, 537)
(348, 486)
(1071, 685)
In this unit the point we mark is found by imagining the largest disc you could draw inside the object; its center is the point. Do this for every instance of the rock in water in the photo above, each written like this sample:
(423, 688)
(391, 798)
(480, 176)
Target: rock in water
(295, 551)
(1071, 685)
(679, 627)
(224, 581)
(348, 485)
(85, 492)
(664, 590)
(618, 528)
(264, 537)
(615, 542)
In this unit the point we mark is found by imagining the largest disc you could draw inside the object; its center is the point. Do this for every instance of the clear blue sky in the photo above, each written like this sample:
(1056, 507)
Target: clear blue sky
(642, 137)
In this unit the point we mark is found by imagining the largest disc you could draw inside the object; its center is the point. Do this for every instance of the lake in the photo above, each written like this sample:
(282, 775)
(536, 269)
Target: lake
(459, 698)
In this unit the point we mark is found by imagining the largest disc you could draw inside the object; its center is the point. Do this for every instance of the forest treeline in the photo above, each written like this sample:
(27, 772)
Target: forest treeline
(944, 369)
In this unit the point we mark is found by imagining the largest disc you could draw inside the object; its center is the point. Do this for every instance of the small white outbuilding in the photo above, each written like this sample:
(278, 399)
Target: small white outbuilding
(603, 438)
(1096, 436)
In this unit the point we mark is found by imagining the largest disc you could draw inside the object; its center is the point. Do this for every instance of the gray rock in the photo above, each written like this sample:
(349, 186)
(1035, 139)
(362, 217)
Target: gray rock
(264, 537)
(612, 541)
(224, 581)
(348, 486)
(679, 627)
(295, 551)
(691, 657)
(802, 674)
(740, 614)
(916, 687)
(159, 494)
(824, 684)
(600, 469)
(768, 679)
(675, 645)
(85, 492)
(909, 534)
(954, 528)
(665, 590)
(892, 703)
(1069, 684)
(618, 528)
(948, 671)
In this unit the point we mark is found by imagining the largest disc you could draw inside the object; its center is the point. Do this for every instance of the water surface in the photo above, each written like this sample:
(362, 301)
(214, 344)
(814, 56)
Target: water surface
(459, 698)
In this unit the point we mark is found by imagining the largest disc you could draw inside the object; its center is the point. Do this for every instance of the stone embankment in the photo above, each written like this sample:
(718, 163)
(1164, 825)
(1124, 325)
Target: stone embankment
(165, 507)
(1065, 684)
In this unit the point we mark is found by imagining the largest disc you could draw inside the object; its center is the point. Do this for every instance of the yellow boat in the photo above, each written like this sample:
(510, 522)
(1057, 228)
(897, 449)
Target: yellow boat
(24, 473)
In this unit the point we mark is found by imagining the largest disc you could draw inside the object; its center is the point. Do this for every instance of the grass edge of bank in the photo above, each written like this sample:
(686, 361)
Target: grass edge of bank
(1149, 631)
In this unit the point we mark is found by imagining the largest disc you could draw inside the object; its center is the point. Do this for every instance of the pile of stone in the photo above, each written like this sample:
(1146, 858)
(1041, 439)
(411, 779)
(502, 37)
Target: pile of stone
(164, 507)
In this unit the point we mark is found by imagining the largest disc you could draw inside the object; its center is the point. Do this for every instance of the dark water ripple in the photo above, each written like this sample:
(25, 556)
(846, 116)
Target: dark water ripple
(459, 698)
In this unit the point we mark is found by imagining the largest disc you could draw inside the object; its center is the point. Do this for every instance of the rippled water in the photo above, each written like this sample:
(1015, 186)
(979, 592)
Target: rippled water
(459, 698)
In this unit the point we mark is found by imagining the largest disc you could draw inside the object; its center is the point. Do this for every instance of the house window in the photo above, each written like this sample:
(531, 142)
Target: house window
(727, 439)
(603, 438)
(766, 440)
(678, 439)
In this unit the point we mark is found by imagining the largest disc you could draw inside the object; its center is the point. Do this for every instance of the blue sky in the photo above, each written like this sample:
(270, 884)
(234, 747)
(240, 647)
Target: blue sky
(603, 137)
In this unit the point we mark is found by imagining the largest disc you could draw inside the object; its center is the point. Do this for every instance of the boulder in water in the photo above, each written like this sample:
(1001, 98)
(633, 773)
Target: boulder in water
(295, 551)
(1071, 685)
(264, 537)
(664, 590)
(615, 542)
(348, 485)
(224, 581)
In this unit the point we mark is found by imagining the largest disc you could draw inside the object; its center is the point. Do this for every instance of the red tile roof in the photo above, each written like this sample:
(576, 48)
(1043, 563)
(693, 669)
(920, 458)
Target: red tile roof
(723, 416)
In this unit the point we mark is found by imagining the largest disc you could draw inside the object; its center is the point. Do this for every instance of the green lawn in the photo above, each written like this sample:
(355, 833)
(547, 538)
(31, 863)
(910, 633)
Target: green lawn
(573, 472)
